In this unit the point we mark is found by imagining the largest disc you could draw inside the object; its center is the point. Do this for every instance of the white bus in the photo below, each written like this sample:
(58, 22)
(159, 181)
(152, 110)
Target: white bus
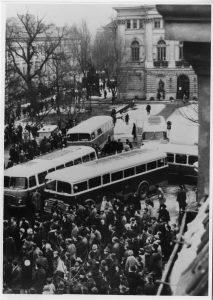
(95, 130)
(181, 160)
(134, 171)
(21, 180)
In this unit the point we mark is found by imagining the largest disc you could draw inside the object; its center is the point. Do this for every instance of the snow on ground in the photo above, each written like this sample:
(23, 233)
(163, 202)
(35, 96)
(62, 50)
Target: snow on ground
(183, 130)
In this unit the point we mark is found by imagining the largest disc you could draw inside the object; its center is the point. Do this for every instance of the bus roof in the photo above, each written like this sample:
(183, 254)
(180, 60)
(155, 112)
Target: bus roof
(48, 128)
(154, 124)
(106, 165)
(89, 125)
(179, 148)
(48, 161)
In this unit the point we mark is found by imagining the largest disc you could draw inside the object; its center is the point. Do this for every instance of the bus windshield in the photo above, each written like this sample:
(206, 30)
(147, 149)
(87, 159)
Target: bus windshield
(74, 137)
(15, 182)
(153, 135)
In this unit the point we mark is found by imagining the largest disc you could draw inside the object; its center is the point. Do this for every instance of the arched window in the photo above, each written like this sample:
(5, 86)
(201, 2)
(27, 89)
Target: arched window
(161, 50)
(135, 51)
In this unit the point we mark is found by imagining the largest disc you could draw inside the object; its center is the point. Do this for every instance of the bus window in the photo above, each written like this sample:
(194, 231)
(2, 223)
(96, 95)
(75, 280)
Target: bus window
(6, 181)
(170, 157)
(151, 165)
(85, 158)
(99, 131)
(84, 137)
(80, 187)
(64, 187)
(51, 170)
(77, 161)
(117, 175)
(41, 177)
(192, 159)
(140, 169)
(106, 178)
(51, 185)
(69, 164)
(18, 182)
(73, 137)
(160, 162)
(92, 155)
(181, 158)
(59, 167)
(159, 135)
(93, 182)
(32, 181)
(129, 172)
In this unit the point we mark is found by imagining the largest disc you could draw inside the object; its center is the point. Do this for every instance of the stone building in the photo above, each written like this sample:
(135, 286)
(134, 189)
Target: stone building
(151, 67)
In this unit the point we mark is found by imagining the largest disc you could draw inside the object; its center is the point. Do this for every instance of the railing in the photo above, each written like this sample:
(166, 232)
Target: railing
(161, 63)
(182, 64)
(170, 262)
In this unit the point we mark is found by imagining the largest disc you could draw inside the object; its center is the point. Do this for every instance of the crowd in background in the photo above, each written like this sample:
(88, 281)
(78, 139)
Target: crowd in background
(26, 146)
(118, 247)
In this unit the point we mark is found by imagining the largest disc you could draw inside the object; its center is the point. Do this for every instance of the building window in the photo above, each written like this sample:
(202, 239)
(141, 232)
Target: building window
(135, 51)
(128, 24)
(135, 24)
(140, 23)
(181, 50)
(161, 50)
(157, 23)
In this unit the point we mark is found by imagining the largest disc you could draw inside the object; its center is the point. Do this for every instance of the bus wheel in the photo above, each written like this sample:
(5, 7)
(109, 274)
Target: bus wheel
(143, 190)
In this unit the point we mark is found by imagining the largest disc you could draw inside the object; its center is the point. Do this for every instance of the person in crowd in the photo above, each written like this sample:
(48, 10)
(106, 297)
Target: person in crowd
(127, 119)
(148, 109)
(105, 94)
(160, 195)
(134, 132)
(181, 198)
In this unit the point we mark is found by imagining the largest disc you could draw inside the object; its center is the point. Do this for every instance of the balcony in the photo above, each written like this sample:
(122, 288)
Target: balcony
(182, 64)
(161, 63)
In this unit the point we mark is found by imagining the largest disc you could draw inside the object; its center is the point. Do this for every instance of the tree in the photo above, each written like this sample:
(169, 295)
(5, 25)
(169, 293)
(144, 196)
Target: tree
(60, 67)
(108, 51)
(81, 46)
(30, 44)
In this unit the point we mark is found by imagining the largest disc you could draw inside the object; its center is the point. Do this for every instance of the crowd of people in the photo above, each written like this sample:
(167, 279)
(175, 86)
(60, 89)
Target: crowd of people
(117, 247)
(26, 146)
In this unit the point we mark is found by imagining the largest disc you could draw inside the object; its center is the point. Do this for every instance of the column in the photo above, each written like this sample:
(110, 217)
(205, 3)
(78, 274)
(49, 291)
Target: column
(148, 43)
(198, 55)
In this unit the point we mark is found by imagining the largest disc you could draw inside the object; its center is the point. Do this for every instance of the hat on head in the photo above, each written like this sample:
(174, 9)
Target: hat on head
(94, 247)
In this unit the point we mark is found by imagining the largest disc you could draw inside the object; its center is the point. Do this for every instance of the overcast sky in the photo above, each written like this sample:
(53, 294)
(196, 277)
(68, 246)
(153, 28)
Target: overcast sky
(96, 15)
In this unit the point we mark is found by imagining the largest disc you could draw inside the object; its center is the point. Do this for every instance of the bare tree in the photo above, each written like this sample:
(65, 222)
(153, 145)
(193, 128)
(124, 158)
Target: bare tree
(30, 43)
(81, 46)
(108, 50)
(190, 112)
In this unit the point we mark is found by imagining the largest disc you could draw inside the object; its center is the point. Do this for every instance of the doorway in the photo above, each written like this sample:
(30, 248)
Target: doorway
(182, 86)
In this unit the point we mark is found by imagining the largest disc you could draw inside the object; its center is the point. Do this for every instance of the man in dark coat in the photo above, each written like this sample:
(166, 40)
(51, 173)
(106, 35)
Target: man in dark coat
(39, 278)
(181, 198)
(163, 214)
(148, 109)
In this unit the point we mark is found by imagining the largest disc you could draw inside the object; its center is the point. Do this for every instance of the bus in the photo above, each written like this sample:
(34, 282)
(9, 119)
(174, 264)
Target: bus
(181, 160)
(152, 129)
(137, 171)
(95, 130)
(22, 180)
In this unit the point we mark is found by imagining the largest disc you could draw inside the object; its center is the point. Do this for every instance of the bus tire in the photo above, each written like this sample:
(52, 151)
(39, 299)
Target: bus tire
(143, 190)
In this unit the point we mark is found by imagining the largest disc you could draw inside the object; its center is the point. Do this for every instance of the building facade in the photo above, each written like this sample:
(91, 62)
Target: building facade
(151, 67)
